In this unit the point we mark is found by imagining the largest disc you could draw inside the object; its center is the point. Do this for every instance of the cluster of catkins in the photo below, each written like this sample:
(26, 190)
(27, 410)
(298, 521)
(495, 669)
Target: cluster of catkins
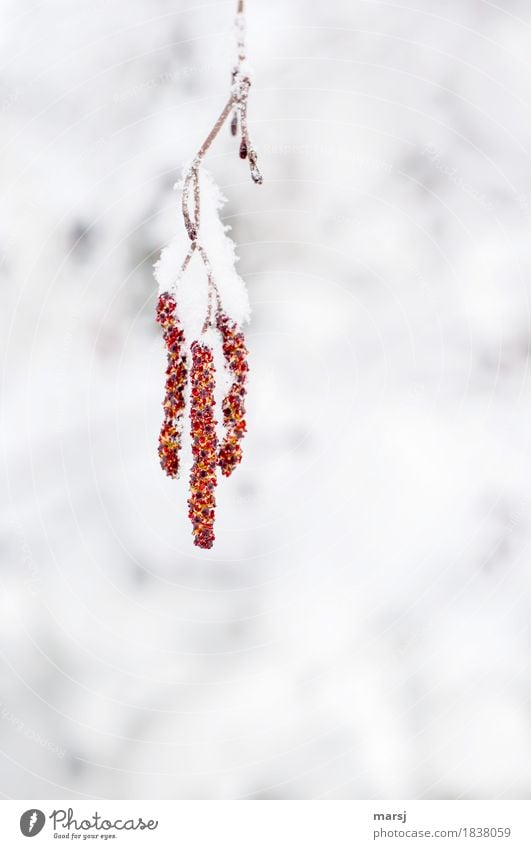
(193, 367)
(207, 454)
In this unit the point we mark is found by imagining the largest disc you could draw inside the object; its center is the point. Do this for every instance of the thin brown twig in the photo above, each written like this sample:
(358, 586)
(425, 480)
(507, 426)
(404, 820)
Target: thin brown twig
(237, 103)
(186, 261)
(213, 292)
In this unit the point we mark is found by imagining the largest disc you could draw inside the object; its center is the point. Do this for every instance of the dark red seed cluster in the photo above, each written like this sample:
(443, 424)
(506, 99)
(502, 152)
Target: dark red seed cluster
(235, 352)
(202, 501)
(176, 372)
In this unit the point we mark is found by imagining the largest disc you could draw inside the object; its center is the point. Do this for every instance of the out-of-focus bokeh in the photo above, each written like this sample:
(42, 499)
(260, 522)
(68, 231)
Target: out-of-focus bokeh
(361, 628)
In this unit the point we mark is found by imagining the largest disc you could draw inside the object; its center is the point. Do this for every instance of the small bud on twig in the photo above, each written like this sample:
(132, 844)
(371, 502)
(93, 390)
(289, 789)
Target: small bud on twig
(256, 175)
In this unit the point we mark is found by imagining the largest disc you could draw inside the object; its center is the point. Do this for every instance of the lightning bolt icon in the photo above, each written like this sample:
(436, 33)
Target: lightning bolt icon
(32, 820)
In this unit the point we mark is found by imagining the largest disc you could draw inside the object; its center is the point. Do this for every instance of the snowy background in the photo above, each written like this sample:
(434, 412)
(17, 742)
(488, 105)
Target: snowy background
(361, 628)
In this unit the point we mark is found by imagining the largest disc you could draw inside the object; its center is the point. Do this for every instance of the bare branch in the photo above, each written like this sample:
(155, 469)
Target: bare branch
(237, 104)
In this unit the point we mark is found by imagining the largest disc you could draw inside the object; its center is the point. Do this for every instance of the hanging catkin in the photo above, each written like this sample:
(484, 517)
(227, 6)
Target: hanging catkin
(202, 501)
(235, 353)
(176, 374)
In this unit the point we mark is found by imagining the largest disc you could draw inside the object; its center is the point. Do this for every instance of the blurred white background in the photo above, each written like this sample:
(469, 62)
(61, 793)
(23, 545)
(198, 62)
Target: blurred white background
(361, 628)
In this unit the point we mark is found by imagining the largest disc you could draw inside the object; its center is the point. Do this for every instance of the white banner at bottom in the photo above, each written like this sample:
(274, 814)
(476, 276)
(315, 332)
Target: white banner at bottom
(267, 824)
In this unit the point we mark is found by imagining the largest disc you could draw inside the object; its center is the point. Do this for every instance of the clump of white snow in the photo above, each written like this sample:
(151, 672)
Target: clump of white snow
(191, 287)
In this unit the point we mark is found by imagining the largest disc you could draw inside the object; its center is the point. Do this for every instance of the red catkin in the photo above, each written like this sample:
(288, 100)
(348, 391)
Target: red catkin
(176, 373)
(235, 353)
(202, 500)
